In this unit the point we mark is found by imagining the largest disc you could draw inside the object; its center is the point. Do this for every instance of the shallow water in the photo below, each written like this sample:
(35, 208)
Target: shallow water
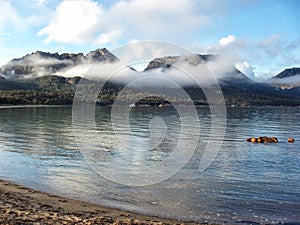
(245, 183)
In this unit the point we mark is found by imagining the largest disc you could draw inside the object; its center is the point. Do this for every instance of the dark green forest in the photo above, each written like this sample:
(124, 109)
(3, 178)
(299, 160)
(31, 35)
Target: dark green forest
(57, 90)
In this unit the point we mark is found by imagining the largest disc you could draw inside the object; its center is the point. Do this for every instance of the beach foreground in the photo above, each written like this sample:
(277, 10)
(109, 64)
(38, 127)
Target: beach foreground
(21, 205)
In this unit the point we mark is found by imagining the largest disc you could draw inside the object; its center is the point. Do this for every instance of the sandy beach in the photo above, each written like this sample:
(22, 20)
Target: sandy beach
(21, 205)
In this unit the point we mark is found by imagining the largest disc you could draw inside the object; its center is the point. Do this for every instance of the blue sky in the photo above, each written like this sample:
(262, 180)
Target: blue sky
(265, 34)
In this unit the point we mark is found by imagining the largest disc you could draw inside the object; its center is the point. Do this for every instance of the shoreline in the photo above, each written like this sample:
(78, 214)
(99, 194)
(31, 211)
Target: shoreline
(22, 205)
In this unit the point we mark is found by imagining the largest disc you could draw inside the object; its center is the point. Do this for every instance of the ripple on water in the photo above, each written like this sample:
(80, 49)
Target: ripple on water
(246, 183)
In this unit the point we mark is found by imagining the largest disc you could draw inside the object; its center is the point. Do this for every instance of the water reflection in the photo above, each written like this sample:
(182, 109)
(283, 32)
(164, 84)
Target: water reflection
(42, 132)
(245, 182)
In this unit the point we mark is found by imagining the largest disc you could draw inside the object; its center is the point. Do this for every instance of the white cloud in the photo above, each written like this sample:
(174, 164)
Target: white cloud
(269, 55)
(74, 21)
(234, 48)
(86, 21)
(246, 69)
(272, 55)
(226, 44)
(273, 39)
(227, 40)
(8, 16)
(109, 37)
(152, 19)
(271, 46)
(182, 73)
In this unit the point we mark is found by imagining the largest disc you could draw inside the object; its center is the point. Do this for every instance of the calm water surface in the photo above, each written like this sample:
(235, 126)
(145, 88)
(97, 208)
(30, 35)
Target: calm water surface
(246, 182)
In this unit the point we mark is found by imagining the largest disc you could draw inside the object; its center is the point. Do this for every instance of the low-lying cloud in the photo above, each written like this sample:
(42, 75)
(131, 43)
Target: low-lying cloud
(181, 73)
(34, 66)
(294, 80)
(35, 60)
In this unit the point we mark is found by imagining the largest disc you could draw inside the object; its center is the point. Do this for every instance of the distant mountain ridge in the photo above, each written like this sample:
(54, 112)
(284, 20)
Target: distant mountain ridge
(44, 63)
(290, 72)
(43, 85)
(288, 79)
(168, 61)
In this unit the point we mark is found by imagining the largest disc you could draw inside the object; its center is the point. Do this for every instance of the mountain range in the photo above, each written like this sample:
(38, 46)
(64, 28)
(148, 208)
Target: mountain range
(40, 63)
(289, 79)
(37, 78)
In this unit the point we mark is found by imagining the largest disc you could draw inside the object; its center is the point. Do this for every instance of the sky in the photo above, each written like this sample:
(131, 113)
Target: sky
(264, 34)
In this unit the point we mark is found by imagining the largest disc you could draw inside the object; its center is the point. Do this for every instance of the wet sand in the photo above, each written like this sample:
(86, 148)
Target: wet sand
(20, 205)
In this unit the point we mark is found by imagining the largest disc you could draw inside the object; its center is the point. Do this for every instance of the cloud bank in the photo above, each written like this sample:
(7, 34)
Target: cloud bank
(294, 80)
(282, 54)
(68, 24)
(181, 73)
(85, 21)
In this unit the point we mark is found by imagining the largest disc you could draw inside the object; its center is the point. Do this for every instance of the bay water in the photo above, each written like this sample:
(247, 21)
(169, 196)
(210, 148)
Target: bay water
(245, 183)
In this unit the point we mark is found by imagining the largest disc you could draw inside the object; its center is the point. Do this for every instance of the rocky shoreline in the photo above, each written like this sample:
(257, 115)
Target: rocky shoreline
(21, 205)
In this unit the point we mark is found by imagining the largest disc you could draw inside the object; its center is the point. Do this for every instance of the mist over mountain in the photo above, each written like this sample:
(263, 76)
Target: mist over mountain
(287, 73)
(97, 65)
(39, 63)
(46, 78)
(168, 61)
(288, 79)
(221, 67)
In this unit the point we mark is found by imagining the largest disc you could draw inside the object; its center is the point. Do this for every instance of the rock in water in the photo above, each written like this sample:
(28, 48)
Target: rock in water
(263, 139)
(248, 139)
(275, 139)
(254, 140)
